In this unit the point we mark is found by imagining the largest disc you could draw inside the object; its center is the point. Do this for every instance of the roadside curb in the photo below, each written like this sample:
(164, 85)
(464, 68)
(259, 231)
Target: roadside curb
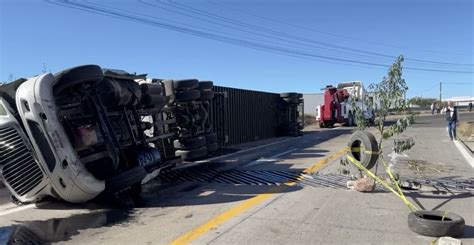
(465, 152)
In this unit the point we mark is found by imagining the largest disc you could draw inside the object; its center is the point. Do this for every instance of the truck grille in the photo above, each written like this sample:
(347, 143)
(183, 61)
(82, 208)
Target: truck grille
(20, 170)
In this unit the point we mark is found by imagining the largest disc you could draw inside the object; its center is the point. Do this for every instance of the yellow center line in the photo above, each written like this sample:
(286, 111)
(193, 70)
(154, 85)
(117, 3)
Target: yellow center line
(244, 206)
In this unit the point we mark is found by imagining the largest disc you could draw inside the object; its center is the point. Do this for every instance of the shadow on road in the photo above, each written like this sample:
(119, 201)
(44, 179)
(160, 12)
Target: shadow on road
(200, 189)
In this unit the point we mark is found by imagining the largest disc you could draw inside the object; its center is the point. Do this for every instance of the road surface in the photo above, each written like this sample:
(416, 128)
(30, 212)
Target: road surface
(260, 196)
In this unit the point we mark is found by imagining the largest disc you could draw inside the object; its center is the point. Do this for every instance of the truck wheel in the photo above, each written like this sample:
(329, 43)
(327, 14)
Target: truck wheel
(73, 76)
(289, 95)
(211, 137)
(184, 144)
(322, 125)
(125, 179)
(300, 127)
(185, 84)
(292, 100)
(428, 223)
(206, 85)
(153, 99)
(363, 147)
(187, 95)
(191, 154)
(207, 95)
(151, 88)
(212, 147)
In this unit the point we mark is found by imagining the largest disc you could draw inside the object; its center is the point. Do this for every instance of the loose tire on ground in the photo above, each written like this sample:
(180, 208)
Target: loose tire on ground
(428, 223)
(212, 147)
(77, 75)
(192, 154)
(184, 144)
(364, 148)
(187, 95)
(185, 84)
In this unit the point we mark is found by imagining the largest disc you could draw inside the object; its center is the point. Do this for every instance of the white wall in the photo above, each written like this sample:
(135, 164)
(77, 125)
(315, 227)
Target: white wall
(311, 101)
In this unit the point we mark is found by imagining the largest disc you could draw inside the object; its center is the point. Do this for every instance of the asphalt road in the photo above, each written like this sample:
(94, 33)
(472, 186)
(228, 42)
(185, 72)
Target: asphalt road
(260, 197)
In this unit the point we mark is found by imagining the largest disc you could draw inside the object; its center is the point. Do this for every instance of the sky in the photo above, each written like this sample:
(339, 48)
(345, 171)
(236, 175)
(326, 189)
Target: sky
(266, 45)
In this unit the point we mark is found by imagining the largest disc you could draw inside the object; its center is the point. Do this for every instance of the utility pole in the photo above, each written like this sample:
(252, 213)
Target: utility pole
(440, 93)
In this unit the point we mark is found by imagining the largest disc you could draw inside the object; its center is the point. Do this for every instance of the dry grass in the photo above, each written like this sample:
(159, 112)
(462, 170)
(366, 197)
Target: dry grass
(466, 129)
(309, 119)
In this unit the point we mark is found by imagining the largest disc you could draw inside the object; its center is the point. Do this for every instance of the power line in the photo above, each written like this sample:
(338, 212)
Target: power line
(274, 20)
(213, 15)
(138, 17)
(472, 84)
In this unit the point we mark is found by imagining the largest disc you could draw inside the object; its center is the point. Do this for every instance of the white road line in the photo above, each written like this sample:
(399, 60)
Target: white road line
(272, 158)
(464, 153)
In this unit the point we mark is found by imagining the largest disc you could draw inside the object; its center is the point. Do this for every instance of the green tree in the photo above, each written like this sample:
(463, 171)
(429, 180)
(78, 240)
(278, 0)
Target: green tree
(423, 102)
(391, 97)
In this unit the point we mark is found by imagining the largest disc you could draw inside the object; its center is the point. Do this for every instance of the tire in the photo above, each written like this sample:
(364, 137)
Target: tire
(151, 88)
(191, 154)
(212, 147)
(289, 95)
(291, 100)
(125, 179)
(185, 144)
(187, 95)
(322, 125)
(77, 75)
(206, 85)
(210, 138)
(431, 224)
(207, 95)
(185, 84)
(300, 127)
(153, 99)
(367, 155)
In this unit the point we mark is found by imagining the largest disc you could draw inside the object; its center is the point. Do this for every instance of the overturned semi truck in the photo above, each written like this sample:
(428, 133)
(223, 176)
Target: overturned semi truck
(86, 131)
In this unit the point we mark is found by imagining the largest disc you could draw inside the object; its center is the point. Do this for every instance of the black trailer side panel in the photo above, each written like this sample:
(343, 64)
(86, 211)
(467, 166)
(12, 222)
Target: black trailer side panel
(240, 115)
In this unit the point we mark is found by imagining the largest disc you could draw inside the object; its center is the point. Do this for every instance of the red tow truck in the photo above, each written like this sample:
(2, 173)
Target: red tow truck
(340, 102)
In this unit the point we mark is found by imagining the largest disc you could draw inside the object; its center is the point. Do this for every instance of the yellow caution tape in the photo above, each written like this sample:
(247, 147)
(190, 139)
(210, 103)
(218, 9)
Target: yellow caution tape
(385, 184)
(359, 149)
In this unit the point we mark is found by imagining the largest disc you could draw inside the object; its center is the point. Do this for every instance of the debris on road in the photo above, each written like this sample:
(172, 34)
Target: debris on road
(436, 223)
(364, 184)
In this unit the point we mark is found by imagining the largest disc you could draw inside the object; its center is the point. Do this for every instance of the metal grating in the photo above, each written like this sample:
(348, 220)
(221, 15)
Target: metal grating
(20, 170)
(235, 177)
(269, 177)
(256, 177)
